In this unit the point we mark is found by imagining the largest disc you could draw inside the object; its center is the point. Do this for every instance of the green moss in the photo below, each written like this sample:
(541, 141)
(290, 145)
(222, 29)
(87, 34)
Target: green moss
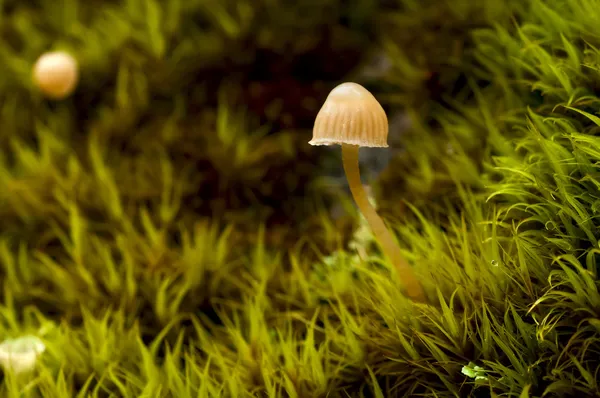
(167, 232)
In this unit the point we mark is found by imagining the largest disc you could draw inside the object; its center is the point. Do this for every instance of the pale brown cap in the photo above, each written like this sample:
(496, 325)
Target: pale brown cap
(56, 74)
(351, 115)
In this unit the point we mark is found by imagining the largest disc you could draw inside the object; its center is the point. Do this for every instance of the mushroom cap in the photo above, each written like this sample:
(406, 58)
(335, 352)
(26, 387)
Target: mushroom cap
(56, 74)
(351, 115)
(21, 354)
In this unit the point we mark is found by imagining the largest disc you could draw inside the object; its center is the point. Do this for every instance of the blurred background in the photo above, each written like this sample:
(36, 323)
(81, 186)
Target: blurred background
(227, 91)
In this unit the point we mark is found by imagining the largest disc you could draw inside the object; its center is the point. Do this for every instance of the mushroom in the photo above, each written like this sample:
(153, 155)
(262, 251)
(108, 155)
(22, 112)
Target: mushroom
(56, 74)
(353, 118)
(20, 355)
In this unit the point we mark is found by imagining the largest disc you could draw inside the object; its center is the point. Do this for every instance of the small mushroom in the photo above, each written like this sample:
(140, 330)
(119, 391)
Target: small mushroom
(352, 117)
(56, 74)
(20, 355)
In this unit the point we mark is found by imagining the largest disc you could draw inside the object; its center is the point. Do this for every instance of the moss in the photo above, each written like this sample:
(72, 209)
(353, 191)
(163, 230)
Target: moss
(168, 232)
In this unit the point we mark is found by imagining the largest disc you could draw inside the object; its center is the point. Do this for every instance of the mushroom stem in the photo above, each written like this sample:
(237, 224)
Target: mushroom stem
(350, 159)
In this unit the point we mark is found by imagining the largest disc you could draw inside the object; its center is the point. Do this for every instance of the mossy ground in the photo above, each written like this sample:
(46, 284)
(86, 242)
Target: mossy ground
(166, 232)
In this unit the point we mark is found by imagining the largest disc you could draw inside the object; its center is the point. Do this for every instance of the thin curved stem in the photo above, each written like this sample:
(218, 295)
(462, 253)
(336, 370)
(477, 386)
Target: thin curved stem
(350, 159)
